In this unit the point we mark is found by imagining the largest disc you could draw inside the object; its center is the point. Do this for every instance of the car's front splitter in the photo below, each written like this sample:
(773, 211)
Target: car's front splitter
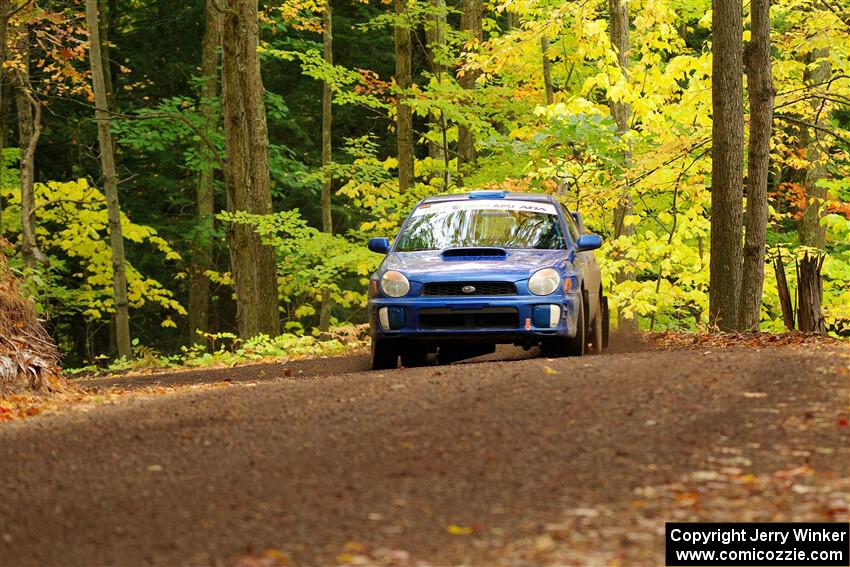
(478, 319)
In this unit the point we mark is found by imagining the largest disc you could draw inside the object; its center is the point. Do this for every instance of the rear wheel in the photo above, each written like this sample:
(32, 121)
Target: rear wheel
(384, 355)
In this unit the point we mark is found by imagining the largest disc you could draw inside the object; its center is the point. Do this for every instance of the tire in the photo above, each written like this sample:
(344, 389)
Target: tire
(569, 346)
(414, 356)
(597, 328)
(606, 322)
(577, 345)
(384, 355)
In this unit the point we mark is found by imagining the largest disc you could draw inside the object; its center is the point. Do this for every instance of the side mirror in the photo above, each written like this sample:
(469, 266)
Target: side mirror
(379, 245)
(587, 242)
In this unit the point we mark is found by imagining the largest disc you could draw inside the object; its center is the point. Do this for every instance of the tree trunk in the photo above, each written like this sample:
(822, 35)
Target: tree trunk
(760, 85)
(471, 12)
(29, 131)
(810, 295)
(110, 184)
(547, 70)
(727, 162)
(403, 79)
(327, 156)
(253, 264)
(621, 112)
(107, 25)
(202, 251)
(811, 231)
(4, 34)
(783, 292)
(435, 36)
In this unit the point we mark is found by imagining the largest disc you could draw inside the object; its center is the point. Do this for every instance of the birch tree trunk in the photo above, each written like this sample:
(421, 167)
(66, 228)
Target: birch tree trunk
(202, 250)
(327, 155)
(621, 111)
(403, 79)
(760, 86)
(727, 162)
(253, 265)
(107, 20)
(471, 12)
(29, 131)
(110, 184)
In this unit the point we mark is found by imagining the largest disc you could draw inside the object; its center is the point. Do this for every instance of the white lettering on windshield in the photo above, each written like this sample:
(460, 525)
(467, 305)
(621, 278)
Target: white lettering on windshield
(489, 205)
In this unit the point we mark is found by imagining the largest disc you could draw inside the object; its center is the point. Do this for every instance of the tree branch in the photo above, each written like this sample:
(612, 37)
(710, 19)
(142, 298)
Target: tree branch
(843, 18)
(7, 17)
(177, 116)
(836, 98)
(813, 126)
(814, 85)
(74, 201)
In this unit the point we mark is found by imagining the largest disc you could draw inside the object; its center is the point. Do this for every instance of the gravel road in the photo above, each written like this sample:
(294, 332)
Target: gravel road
(574, 461)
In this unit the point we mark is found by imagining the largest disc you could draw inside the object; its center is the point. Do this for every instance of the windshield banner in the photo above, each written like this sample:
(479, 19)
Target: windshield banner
(488, 205)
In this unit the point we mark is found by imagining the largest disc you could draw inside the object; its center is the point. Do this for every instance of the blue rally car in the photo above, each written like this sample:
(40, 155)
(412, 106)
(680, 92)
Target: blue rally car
(469, 271)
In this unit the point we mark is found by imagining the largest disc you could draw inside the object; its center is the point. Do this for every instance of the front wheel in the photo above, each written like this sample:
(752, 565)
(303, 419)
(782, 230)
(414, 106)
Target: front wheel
(384, 355)
(577, 345)
(570, 346)
(598, 328)
(606, 322)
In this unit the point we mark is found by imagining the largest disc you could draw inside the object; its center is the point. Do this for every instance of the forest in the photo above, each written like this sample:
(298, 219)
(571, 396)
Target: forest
(180, 179)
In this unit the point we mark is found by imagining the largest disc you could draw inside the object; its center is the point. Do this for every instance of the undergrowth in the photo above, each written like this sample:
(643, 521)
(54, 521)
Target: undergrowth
(226, 349)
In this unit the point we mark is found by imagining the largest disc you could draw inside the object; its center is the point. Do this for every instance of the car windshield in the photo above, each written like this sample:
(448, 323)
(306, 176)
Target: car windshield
(486, 223)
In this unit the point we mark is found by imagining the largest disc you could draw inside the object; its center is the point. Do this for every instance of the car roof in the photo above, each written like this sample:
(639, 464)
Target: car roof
(491, 194)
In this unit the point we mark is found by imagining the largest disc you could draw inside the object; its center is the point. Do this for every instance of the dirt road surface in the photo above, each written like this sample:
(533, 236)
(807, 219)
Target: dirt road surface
(574, 461)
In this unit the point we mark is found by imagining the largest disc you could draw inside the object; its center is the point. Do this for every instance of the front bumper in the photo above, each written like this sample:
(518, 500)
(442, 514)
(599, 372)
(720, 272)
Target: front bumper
(500, 319)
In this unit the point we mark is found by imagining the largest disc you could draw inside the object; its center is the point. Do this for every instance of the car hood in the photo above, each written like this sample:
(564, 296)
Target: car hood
(430, 265)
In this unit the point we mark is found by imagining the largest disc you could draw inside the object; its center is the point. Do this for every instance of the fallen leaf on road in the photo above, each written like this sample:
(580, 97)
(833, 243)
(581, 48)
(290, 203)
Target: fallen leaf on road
(707, 476)
(544, 543)
(459, 530)
(276, 555)
(548, 370)
(799, 471)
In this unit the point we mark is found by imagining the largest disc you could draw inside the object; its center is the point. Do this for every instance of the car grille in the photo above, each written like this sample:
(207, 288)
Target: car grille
(459, 319)
(447, 289)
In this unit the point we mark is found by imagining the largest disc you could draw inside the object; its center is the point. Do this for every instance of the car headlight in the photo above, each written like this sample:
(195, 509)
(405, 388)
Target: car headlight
(544, 282)
(394, 284)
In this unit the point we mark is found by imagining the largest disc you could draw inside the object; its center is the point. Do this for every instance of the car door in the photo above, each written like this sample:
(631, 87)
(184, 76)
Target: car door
(586, 262)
